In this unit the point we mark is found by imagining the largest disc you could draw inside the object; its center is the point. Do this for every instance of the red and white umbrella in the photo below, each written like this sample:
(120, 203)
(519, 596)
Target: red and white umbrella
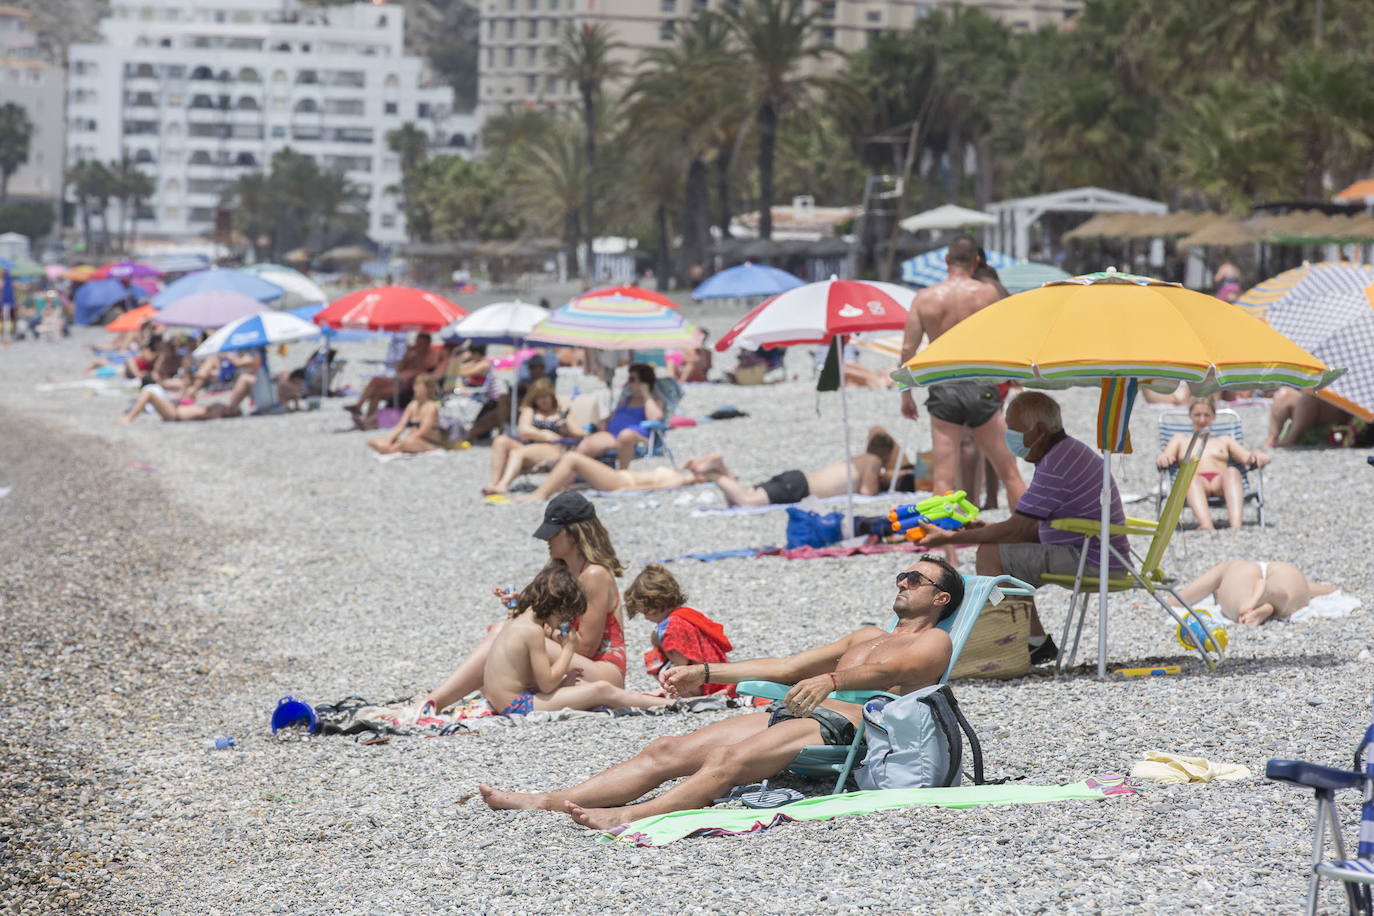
(817, 313)
(390, 308)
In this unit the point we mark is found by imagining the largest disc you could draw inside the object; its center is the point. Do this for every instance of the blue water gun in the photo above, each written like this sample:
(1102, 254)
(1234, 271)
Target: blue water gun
(950, 512)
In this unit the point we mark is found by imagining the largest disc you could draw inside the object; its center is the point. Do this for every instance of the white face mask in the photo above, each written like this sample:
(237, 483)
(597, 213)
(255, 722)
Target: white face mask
(1016, 443)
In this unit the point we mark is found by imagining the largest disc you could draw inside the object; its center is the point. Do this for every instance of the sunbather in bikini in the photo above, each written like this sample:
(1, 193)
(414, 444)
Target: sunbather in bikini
(519, 677)
(1254, 592)
(419, 424)
(1218, 473)
(156, 397)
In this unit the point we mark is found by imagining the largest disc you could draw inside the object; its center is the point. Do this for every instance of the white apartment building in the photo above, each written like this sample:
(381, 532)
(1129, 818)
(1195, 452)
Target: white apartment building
(516, 35)
(35, 85)
(200, 92)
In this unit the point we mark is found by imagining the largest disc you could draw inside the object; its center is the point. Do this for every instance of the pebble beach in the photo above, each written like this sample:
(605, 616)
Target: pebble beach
(166, 583)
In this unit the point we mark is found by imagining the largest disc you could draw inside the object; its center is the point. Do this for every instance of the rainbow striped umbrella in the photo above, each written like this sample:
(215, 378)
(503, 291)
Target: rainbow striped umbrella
(616, 322)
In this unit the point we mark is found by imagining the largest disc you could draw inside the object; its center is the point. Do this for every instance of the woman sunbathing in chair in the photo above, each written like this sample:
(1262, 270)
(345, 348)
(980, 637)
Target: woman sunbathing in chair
(576, 536)
(542, 428)
(420, 420)
(1218, 471)
(520, 675)
(623, 431)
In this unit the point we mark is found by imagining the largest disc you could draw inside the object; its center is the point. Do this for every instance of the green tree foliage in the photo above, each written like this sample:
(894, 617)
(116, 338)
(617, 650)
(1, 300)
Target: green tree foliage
(295, 204)
(27, 218)
(16, 130)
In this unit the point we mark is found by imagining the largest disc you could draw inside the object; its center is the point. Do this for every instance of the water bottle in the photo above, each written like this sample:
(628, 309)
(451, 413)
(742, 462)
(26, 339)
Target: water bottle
(512, 602)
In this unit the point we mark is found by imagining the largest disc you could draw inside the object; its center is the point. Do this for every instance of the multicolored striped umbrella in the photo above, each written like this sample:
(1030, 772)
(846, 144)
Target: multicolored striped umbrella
(629, 292)
(1328, 309)
(616, 322)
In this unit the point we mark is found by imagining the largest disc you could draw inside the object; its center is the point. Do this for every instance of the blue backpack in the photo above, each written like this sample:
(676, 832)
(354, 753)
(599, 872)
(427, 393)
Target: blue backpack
(916, 741)
(811, 529)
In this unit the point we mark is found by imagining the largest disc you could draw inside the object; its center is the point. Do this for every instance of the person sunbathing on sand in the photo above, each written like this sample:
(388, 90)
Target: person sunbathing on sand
(1218, 472)
(519, 676)
(420, 419)
(871, 473)
(156, 397)
(1253, 592)
(748, 748)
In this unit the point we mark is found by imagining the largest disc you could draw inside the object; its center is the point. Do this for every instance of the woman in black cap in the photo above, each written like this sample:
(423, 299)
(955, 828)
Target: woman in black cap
(575, 536)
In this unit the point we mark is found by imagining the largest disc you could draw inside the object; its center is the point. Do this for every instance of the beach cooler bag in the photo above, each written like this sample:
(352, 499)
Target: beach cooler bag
(999, 645)
(916, 741)
(811, 529)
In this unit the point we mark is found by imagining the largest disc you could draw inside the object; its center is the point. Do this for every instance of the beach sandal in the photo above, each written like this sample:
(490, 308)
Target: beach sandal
(371, 737)
(758, 795)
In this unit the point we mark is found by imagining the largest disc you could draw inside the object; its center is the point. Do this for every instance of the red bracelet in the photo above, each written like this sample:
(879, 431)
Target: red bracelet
(834, 683)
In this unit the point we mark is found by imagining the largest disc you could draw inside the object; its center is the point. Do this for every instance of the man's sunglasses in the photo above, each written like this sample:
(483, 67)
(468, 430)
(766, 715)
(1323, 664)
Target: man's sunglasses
(917, 579)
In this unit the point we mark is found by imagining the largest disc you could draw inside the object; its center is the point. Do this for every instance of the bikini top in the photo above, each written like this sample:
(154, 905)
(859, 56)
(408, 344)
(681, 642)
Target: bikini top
(553, 425)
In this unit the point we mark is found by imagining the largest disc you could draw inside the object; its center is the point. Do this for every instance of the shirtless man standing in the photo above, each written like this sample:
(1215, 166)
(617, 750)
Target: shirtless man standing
(748, 748)
(955, 406)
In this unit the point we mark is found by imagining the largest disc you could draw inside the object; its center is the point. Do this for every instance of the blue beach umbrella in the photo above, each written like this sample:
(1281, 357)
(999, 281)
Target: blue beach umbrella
(217, 279)
(7, 290)
(95, 296)
(745, 280)
(261, 330)
(929, 268)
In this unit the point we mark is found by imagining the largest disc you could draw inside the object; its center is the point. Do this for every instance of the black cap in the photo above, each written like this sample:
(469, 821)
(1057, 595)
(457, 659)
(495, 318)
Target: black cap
(562, 511)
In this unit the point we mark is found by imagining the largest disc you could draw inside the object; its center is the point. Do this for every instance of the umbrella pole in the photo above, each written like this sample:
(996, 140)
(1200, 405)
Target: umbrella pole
(515, 386)
(848, 459)
(1103, 564)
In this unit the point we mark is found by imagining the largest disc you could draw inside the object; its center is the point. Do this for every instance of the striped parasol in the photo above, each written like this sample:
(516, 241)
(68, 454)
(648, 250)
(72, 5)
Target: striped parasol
(1328, 310)
(1028, 275)
(616, 322)
(929, 268)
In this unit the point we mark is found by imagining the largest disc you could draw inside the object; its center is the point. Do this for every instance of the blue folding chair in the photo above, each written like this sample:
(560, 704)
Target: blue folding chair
(823, 761)
(1357, 874)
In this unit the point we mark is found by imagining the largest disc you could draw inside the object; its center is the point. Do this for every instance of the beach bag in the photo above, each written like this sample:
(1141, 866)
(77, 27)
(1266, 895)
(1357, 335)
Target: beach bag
(811, 529)
(998, 645)
(917, 741)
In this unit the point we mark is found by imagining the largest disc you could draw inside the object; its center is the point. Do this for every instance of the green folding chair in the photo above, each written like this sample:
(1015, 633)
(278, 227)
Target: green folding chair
(822, 761)
(1139, 572)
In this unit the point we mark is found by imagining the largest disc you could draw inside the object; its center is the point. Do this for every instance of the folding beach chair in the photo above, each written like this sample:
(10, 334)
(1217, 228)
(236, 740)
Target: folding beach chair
(1227, 423)
(1140, 572)
(1357, 874)
(669, 394)
(823, 761)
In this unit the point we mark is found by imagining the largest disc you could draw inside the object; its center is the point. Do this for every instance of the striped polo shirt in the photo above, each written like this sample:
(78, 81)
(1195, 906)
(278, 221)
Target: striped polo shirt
(1068, 484)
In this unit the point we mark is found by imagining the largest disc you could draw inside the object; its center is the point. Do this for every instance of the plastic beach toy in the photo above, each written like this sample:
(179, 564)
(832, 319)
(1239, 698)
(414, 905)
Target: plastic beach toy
(292, 713)
(1192, 633)
(1149, 672)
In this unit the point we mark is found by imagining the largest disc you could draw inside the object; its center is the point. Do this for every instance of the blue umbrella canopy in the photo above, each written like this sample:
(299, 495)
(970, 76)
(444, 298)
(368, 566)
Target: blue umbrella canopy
(217, 279)
(260, 330)
(929, 268)
(745, 280)
(95, 296)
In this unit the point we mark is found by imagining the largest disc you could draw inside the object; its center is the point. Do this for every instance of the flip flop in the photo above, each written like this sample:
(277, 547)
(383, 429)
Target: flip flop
(759, 795)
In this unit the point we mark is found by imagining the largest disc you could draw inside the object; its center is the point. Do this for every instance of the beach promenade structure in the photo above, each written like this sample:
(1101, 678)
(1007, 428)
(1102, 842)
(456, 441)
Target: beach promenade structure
(201, 92)
(37, 86)
(516, 35)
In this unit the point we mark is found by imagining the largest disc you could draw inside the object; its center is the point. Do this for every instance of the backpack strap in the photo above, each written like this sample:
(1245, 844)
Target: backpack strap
(973, 742)
(947, 715)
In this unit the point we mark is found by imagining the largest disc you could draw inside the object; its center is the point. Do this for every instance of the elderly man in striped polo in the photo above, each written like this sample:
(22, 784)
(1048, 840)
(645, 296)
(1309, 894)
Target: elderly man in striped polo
(1067, 484)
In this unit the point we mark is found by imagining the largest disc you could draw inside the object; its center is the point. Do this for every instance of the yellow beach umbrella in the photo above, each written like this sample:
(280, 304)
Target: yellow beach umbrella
(1115, 331)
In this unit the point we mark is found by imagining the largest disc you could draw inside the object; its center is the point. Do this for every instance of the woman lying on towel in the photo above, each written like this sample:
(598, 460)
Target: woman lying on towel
(520, 676)
(576, 536)
(682, 636)
(1253, 593)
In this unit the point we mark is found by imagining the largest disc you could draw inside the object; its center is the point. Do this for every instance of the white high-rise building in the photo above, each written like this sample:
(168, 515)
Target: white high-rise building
(37, 86)
(200, 92)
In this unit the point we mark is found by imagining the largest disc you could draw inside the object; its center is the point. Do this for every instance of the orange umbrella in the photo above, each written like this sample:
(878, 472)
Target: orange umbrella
(80, 274)
(131, 320)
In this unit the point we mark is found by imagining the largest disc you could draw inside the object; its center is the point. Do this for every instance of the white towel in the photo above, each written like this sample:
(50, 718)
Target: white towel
(1336, 604)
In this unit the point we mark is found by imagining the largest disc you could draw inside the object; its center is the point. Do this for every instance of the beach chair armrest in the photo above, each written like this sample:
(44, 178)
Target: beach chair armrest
(1313, 775)
(657, 425)
(769, 690)
(1092, 526)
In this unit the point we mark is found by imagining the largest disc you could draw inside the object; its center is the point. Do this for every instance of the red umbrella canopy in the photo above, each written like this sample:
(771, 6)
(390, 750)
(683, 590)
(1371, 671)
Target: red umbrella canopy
(630, 292)
(390, 308)
(817, 312)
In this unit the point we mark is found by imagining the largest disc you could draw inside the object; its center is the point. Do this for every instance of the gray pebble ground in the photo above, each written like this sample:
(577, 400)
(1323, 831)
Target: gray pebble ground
(164, 584)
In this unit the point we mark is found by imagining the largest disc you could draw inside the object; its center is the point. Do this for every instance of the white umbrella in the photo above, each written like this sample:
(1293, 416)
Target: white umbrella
(261, 330)
(500, 322)
(299, 290)
(947, 217)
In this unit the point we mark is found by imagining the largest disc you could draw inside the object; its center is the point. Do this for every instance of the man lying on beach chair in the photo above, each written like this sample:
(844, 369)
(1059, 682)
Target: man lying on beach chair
(749, 748)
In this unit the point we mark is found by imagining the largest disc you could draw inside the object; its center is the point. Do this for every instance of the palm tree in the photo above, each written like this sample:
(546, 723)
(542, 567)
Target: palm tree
(585, 57)
(80, 176)
(550, 186)
(16, 130)
(775, 38)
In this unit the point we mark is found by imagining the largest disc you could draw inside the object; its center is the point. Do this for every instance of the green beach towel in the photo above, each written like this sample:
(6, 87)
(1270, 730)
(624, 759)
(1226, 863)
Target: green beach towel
(668, 828)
